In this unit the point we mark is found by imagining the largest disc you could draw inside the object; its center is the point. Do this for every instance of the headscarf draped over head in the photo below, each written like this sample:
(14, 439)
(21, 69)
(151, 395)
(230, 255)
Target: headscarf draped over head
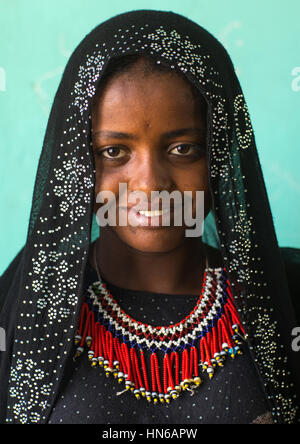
(43, 286)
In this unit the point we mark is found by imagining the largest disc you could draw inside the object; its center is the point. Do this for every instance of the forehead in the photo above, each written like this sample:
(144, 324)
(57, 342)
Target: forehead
(138, 90)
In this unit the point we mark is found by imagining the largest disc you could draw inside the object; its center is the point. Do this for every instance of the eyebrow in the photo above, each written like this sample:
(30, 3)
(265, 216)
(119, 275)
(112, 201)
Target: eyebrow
(167, 135)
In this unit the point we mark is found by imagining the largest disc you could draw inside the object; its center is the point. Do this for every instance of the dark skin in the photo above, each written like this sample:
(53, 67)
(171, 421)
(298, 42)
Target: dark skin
(152, 153)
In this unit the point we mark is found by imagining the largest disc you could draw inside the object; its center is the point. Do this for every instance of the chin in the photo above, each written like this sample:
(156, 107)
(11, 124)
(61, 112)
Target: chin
(154, 240)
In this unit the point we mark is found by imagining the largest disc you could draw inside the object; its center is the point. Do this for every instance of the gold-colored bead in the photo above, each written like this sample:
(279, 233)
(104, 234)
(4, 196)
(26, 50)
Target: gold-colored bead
(77, 339)
(197, 380)
(88, 340)
(137, 394)
(178, 388)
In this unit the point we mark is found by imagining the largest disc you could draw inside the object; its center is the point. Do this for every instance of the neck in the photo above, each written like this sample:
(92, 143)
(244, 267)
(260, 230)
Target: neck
(178, 271)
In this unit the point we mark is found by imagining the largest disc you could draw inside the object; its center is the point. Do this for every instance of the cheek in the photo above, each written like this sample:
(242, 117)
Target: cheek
(106, 182)
(195, 179)
(198, 181)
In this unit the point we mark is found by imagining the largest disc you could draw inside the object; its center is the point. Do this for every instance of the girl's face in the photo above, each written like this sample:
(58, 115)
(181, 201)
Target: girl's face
(149, 132)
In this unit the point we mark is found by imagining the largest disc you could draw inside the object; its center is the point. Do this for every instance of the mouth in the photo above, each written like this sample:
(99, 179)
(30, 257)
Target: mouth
(153, 213)
(149, 218)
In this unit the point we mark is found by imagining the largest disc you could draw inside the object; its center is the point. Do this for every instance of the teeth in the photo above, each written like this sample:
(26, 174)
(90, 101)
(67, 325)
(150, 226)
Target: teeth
(153, 213)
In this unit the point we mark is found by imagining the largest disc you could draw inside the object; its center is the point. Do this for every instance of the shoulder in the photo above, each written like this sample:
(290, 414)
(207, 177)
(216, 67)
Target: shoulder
(291, 260)
(9, 277)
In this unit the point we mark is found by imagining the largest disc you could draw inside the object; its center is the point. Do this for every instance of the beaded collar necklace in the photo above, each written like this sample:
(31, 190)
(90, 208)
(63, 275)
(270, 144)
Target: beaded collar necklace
(160, 362)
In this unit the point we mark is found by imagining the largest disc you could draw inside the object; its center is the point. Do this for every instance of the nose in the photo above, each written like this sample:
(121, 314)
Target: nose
(149, 173)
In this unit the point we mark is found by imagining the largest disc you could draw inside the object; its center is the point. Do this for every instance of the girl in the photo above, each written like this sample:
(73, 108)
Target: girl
(148, 100)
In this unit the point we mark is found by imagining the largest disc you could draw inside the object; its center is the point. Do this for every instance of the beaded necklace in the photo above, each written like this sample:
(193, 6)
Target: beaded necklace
(160, 362)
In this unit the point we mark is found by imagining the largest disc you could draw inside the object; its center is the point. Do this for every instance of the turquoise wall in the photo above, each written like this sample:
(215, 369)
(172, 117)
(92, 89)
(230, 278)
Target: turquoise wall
(38, 36)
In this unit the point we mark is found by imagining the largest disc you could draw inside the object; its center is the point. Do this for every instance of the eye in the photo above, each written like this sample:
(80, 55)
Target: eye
(112, 152)
(187, 149)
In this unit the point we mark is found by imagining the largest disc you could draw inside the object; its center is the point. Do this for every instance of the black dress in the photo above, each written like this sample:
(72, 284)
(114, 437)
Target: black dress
(233, 396)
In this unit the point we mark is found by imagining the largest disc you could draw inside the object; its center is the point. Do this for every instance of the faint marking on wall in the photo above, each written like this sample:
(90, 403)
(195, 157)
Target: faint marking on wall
(296, 80)
(62, 46)
(285, 176)
(226, 37)
(38, 87)
(2, 79)
(40, 84)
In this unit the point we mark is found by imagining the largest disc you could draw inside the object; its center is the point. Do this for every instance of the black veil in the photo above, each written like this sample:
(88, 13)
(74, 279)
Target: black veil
(41, 292)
